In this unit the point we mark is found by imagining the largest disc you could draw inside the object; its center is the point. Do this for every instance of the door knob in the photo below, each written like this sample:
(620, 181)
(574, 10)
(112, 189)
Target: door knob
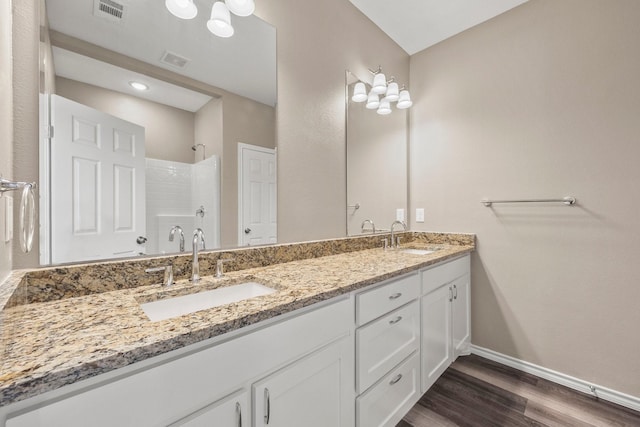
(141, 240)
(247, 230)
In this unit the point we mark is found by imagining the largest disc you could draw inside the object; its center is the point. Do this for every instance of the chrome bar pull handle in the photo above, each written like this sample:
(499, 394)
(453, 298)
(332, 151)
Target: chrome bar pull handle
(396, 320)
(239, 414)
(267, 406)
(455, 294)
(396, 379)
(395, 296)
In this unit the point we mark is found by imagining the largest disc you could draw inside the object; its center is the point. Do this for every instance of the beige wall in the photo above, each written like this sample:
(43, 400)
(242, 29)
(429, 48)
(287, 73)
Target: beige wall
(169, 131)
(6, 121)
(208, 129)
(542, 101)
(317, 41)
(25, 43)
(244, 121)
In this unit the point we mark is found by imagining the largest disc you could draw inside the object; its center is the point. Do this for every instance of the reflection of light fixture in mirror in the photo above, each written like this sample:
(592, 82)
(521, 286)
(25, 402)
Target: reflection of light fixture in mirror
(184, 9)
(392, 92)
(379, 81)
(404, 100)
(241, 7)
(359, 92)
(220, 22)
(139, 86)
(384, 108)
(372, 101)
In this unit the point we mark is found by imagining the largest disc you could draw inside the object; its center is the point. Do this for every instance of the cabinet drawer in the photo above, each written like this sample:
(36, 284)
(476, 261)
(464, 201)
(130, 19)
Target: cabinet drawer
(384, 343)
(383, 299)
(444, 273)
(390, 399)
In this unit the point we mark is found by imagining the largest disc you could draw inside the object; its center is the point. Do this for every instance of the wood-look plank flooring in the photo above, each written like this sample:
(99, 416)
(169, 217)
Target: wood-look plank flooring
(476, 392)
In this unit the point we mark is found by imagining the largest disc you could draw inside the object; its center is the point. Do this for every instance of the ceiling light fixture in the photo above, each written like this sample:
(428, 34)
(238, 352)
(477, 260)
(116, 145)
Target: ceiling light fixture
(138, 86)
(183, 9)
(220, 22)
(388, 89)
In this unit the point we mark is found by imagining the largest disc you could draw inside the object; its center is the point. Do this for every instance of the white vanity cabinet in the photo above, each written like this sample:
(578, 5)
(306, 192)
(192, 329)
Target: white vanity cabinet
(310, 392)
(388, 351)
(232, 411)
(446, 329)
(193, 385)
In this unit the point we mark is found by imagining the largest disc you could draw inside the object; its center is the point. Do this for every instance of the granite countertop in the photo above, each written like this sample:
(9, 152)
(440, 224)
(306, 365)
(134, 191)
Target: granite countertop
(47, 345)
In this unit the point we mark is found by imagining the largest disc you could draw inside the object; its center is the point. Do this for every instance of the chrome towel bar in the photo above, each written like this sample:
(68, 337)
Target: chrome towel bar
(568, 200)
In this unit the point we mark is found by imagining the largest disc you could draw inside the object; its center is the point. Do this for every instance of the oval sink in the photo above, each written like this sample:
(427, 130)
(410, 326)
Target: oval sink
(418, 251)
(179, 306)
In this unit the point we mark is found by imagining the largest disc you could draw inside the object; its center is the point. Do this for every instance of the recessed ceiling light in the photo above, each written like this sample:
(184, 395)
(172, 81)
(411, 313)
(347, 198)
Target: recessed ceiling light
(139, 86)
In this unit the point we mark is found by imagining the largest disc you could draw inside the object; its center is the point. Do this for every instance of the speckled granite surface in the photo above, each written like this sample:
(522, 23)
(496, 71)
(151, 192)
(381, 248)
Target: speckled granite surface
(61, 325)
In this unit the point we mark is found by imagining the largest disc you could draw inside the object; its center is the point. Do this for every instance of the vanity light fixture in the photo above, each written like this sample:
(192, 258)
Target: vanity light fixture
(384, 108)
(373, 102)
(387, 88)
(379, 85)
(138, 86)
(359, 92)
(183, 9)
(220, 22)
(241, 7)
(404, 99)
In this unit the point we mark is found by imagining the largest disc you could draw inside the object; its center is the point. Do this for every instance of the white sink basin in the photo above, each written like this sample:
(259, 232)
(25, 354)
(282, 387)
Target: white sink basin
(179, 306)
(418, 251)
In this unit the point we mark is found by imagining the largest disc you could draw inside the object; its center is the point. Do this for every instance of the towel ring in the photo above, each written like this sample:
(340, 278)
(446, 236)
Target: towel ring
(27, 218)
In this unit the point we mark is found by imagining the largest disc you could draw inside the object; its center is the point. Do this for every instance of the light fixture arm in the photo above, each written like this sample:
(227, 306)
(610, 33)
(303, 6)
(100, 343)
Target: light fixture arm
(378, 71)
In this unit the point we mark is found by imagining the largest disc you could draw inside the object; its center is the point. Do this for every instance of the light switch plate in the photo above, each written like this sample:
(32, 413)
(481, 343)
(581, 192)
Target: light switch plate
(419, 215)
(400, 214)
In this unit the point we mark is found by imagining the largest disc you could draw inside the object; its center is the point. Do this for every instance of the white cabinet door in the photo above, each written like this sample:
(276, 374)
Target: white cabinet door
(231, 411)
(436, 334)
(461, 311)
(311, 392)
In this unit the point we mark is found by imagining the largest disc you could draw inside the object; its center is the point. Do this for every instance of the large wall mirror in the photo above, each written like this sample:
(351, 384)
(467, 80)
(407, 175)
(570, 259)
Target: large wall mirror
(121, 168)
(376, 164)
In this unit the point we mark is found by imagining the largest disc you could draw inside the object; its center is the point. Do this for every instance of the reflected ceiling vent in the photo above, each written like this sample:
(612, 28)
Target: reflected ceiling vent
(174, 59)
(108, 9)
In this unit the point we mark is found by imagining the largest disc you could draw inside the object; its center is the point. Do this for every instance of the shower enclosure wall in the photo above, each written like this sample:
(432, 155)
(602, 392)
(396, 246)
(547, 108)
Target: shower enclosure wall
(182, 194)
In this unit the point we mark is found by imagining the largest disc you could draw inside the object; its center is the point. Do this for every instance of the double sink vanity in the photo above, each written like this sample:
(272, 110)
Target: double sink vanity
(330, 333)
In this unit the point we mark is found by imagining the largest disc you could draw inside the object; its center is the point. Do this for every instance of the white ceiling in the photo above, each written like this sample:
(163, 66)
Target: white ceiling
(244, 64)
(417, 24)
(91, 71)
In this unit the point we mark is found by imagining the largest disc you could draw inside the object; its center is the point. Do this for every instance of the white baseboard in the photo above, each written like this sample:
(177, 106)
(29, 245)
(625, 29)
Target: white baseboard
(603, 393)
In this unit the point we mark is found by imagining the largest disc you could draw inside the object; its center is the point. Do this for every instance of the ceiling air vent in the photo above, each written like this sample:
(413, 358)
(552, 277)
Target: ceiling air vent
(174, 59)
(108, 9)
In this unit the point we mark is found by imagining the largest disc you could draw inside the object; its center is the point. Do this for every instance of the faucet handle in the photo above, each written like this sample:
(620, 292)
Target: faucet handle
(220, 266)
(168, 273)
(385, 243)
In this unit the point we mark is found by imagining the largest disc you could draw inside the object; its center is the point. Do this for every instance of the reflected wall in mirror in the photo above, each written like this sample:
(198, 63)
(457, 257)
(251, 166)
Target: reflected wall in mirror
(204, 96)
(376, 164)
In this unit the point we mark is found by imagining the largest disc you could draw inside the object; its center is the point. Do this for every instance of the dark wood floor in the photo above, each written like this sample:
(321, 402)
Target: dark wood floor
(478, 392)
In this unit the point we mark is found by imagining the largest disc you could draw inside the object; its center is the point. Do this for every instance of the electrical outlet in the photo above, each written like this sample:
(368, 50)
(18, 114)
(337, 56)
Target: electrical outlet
(419, 215)
(400, 214)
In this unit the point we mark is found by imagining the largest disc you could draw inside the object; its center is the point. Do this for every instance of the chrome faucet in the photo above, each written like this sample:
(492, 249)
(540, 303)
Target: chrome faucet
(179, 230)
(198, 237)
(373, 226)
(394, 240)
